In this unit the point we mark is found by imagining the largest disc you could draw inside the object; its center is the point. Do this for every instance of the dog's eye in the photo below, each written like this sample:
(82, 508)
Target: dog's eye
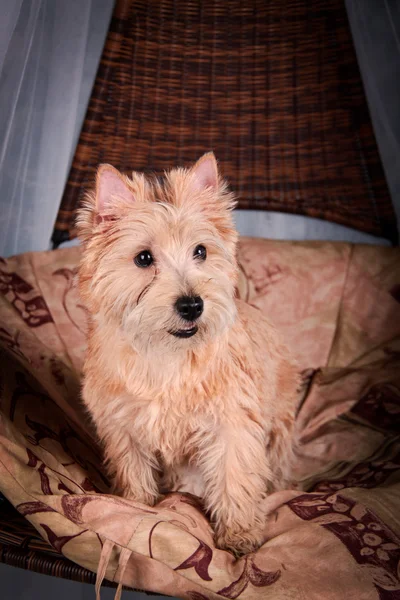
(200, 252)
(143, 259)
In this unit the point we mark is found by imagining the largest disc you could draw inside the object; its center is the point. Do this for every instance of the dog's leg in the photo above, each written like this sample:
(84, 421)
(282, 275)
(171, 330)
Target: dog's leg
(282, 451)
(236, 473)
(134, 473)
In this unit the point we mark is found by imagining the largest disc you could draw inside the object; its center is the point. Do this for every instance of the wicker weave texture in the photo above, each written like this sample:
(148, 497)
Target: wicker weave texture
(272, 87)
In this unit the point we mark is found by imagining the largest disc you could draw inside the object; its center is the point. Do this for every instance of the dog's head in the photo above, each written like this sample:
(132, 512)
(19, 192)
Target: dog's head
(159, 258)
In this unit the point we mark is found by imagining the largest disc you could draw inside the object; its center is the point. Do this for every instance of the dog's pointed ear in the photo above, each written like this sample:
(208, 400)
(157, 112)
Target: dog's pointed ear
(110, 183)
(205, 172)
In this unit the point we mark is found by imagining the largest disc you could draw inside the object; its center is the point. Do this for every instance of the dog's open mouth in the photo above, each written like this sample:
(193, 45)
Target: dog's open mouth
(185, 333)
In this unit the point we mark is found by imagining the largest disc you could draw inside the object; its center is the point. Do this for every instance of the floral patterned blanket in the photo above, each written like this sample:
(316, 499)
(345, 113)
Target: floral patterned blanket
(337, 536)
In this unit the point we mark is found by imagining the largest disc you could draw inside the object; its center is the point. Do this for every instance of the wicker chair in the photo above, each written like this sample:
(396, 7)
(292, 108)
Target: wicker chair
(276, 92)
(273, 88)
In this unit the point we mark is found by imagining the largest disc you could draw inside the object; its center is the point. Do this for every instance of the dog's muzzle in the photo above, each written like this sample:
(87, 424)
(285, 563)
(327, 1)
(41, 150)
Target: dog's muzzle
(189, 308)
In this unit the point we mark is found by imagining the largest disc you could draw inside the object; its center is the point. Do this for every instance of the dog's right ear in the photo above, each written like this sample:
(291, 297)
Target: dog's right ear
(110, 183)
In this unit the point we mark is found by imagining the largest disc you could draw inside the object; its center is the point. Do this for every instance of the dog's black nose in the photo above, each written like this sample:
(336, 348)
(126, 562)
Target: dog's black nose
(189, 307)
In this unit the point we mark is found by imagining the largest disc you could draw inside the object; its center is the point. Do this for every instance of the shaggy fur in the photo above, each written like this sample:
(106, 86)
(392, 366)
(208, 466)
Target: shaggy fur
(212, 414)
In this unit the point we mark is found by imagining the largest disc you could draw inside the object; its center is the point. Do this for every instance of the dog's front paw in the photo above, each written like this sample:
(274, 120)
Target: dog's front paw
(239, 541)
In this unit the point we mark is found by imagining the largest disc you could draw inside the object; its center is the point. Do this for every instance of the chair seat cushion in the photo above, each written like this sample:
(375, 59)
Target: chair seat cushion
(336, 536)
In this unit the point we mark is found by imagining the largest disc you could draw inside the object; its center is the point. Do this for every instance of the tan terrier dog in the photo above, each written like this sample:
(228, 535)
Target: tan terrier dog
(189, 388)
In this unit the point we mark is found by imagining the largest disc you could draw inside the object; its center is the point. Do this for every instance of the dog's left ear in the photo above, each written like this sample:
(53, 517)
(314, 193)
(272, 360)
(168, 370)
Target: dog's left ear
(205, 172)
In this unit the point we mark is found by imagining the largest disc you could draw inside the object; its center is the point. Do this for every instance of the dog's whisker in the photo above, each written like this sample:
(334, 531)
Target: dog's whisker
(143, 292)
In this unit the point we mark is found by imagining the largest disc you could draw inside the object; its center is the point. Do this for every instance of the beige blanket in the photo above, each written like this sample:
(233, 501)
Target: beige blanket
(338, 306)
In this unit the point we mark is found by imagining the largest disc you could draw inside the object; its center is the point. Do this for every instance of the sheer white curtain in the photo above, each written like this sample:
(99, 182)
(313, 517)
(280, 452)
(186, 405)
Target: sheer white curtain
(375, 26)
(49, 52)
